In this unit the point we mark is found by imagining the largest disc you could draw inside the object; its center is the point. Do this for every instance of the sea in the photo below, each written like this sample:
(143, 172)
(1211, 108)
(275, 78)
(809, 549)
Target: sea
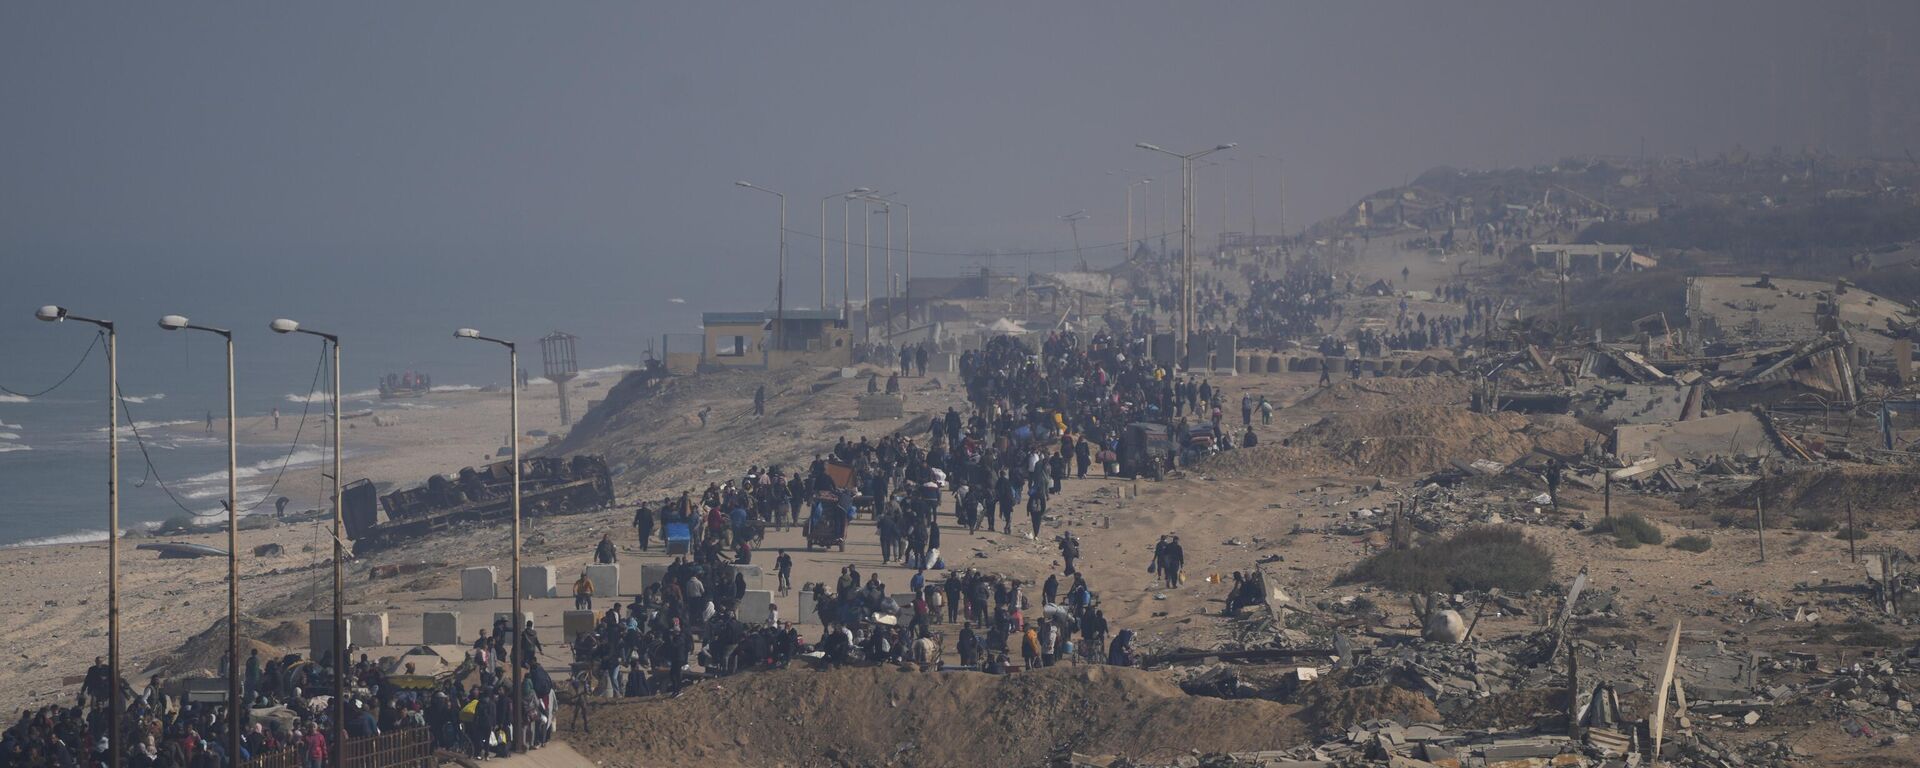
(53, 448)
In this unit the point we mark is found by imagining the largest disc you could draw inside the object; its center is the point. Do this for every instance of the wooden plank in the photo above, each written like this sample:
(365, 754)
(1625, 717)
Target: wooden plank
(1660, 694)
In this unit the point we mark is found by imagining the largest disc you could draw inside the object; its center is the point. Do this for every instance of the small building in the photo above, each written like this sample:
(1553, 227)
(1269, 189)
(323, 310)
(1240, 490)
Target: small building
(816, 337)
(1590, 259)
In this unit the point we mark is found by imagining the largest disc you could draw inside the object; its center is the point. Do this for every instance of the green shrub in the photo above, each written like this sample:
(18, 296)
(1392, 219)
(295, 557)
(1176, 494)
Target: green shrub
(1850, 534)
(1477, 558)
(1630, 530)
(1692, 543)
(1816, 521)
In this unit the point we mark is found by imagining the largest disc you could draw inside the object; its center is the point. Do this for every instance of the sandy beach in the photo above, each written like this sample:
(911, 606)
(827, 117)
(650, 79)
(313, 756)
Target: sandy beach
(57, 593)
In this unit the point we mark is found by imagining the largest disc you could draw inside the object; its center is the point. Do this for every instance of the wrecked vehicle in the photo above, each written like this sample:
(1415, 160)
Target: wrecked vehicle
(548, 486)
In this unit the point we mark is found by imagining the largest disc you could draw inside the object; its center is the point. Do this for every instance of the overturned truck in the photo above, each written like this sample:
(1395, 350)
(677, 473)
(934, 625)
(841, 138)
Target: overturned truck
(548, 486)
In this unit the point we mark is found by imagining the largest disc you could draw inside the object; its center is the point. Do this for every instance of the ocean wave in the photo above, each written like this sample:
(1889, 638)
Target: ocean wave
(142, 399)
(7, 398)
(455, 388)
(595, 373)
(8, 435)
(318, 398)
(5, 425)
(246, 493)
(12, 447)
(300, 457)
(77, 537)
(149, 425)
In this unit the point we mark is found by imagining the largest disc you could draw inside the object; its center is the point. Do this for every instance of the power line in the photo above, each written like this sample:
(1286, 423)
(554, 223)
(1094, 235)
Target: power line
(70, 372)
(304, 408)
(154, 472)
(142, 443)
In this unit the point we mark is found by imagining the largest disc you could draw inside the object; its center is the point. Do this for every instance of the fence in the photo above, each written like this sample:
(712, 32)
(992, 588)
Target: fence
(409, 748)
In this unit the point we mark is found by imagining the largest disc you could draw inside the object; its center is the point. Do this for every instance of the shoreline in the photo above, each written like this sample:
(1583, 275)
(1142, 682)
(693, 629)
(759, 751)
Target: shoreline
(57, 590)
(374, 459)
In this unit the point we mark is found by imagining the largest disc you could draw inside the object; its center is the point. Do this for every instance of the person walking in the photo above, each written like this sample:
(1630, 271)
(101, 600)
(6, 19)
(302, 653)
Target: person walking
(643, 523)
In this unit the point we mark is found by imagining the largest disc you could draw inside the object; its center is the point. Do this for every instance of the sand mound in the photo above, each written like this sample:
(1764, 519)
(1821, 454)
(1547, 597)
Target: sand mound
(882, 716)
(1381, 394)
(201, 654)
(1267, 461)
(1409, 441)
(1883, 495)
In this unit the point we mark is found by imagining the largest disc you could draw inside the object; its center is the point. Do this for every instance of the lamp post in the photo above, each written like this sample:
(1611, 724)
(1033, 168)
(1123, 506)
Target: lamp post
(823, 240)
(338, 752)
(886, 207)
(1186, 240)
(1129, 246)
(780, 289)
(175, 323)
(54, 314)
(846, 261)
(513, 441)
(886, 252)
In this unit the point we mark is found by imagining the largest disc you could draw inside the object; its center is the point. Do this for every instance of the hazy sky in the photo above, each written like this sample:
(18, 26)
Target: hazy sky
(393, 170)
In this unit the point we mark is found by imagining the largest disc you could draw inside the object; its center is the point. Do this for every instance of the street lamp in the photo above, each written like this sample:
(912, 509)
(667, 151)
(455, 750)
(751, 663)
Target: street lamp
(175, 323)
(338, 753)
(513, 441)
(55, 314)
(780, 289)
(1186, 239)
(886, 207)
(1129, 241)
(843, 238)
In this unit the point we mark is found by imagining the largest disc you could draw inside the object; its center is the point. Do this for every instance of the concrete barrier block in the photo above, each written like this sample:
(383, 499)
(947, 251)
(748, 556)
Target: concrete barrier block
(538, 581)
(605, 579)
(576, 623)
(479, 583)
(367, 630)
(440, 628)
(499, 616)
(754, 576)
(806, 614)
(756, 607)
(651, 574)
(320, 637)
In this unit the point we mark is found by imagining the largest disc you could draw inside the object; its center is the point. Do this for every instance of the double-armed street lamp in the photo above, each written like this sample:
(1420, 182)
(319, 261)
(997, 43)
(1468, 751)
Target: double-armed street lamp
(843, 242)
(1186, 239)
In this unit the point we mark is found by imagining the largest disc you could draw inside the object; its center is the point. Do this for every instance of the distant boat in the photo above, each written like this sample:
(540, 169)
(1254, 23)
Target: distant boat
(177, 550)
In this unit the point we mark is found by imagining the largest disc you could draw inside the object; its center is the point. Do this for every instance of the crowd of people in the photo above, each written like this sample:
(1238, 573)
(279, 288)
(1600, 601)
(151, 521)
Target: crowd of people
(288, 709)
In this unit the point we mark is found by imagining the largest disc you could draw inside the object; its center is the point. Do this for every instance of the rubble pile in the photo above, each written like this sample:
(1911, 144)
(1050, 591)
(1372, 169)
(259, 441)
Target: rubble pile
(1413, 440)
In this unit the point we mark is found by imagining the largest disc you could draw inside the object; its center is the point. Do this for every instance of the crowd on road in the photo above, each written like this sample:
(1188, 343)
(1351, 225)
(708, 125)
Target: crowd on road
(287, 709)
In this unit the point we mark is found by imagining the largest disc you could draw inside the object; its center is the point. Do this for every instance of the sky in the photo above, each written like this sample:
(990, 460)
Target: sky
(391, 171)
